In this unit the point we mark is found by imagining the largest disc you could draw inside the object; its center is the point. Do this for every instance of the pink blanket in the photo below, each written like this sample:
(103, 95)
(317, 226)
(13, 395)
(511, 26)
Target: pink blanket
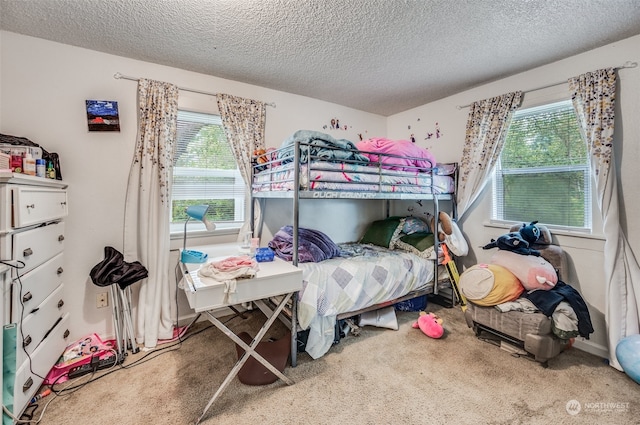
(420, 157)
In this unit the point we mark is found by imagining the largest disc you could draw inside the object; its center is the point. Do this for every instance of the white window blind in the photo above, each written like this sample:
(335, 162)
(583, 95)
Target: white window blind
(543, 173)
(205, 172)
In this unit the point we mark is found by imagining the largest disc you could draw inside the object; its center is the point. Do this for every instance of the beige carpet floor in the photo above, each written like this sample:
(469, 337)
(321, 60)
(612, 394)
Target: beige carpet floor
(380, 377)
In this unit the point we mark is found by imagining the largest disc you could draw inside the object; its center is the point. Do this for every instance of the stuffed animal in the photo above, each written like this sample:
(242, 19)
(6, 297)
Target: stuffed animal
(262, 156)
(530, 232)
(429, 324)
(519, 242)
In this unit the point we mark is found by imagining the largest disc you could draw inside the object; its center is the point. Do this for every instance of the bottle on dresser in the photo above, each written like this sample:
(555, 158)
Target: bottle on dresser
(51, 171)
(41, 167)
(29, 165)
(16, 161)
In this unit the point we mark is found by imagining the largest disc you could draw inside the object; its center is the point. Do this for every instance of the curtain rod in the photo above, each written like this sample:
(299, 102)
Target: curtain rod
(119, 76)
(627, 64)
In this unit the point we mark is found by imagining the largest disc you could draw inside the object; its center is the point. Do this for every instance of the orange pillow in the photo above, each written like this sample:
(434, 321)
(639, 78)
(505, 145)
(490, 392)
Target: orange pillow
(489, 285)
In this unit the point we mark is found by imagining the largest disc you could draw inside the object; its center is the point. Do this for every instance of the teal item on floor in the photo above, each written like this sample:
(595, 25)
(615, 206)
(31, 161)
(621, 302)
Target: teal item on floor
(9, 336)
(628, 355)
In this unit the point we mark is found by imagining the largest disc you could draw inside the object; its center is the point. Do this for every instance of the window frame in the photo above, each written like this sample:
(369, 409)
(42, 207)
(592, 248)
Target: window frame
(195, 228)
(539, 98)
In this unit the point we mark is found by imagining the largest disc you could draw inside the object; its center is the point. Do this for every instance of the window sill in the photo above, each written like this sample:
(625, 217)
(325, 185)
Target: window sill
(205, 234)
(557, 232)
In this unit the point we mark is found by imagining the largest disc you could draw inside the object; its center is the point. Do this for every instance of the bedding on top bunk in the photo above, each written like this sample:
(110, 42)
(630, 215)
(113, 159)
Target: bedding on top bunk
(321, 175)
(388, 154)
(372, 165)
(364, 275)
(397, 154)
(320, 145)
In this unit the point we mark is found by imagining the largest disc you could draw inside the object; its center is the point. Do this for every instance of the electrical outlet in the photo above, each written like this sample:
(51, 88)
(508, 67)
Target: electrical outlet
(102, 300)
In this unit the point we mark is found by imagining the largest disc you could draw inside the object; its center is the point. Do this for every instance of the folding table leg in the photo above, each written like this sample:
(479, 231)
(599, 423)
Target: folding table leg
(249, 350)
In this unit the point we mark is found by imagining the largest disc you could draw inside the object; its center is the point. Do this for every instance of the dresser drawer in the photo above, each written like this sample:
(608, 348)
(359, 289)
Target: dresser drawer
(35, 286)
(33, 205)
(43, 358)
(35, 246)
(37, 324)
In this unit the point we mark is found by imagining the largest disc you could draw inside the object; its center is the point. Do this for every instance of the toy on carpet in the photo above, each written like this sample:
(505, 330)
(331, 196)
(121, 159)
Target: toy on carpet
(429, 324)
(519, 242)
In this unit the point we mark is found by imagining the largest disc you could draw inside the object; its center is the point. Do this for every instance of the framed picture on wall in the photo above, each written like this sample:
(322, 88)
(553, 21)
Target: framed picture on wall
(102, 115)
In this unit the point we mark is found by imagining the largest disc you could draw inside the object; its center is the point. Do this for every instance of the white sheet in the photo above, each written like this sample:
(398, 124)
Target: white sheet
(352, 177)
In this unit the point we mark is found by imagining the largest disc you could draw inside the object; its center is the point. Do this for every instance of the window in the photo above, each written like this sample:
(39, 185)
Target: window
(205, 172)
(543, 173)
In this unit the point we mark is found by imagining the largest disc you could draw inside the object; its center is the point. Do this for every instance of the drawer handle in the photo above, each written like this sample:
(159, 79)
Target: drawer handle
(60, 270)
(26, 297)
(27, 385)
(27, 252)
(63, 203)
(31, 206)
(60, 303)
(60, 238)
(66, 333)
(26, 341)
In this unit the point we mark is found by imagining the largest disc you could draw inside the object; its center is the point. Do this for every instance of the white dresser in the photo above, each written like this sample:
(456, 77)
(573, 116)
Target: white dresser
(32, 213)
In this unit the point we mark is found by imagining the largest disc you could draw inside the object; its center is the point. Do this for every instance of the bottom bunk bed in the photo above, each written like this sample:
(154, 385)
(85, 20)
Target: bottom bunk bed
(369, 277)
(345, 280)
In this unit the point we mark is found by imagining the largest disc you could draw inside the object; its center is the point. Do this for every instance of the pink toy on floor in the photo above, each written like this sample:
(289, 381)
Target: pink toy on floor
(429, 324)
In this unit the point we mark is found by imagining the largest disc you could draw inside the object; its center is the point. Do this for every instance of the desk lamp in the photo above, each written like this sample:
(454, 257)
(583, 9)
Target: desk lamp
(196, 212)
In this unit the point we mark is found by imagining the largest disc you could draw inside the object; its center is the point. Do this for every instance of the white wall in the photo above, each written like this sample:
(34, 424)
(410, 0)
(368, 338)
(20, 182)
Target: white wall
(585, 254)
(43, 90)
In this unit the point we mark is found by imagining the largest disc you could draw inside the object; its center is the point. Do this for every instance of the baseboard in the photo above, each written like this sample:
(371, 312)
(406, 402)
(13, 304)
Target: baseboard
(591, 348)
(188, 317)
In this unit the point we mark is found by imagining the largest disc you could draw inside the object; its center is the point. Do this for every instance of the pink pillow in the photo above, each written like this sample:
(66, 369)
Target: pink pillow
(424, 158)
(533, 272)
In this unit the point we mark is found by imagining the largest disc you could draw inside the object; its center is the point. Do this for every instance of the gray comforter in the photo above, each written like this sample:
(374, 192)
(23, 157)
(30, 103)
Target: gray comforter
(320, 145)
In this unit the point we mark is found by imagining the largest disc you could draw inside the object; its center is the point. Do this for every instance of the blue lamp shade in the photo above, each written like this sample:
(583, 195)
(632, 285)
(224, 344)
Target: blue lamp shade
(197, 212)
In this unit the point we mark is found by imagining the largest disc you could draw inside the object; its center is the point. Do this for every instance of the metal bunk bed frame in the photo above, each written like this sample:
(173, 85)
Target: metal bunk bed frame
(296, 194)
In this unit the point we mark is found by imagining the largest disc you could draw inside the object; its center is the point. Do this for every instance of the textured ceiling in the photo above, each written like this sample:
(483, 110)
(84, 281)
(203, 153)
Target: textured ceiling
(381, 56)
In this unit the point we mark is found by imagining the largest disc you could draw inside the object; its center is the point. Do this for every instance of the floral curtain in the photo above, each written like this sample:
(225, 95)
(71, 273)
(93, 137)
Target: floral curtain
(593, 95)
(243, 121)
(487, 127)
(147, 207)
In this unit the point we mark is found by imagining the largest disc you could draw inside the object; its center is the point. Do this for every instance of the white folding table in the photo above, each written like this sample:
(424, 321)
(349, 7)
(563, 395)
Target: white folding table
(276, 278)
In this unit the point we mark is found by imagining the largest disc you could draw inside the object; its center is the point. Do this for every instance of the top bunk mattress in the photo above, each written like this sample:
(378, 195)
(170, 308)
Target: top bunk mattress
(311, 161)
(352, 177)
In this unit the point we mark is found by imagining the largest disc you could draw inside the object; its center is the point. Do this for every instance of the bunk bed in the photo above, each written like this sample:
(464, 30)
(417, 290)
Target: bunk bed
(311, 165)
